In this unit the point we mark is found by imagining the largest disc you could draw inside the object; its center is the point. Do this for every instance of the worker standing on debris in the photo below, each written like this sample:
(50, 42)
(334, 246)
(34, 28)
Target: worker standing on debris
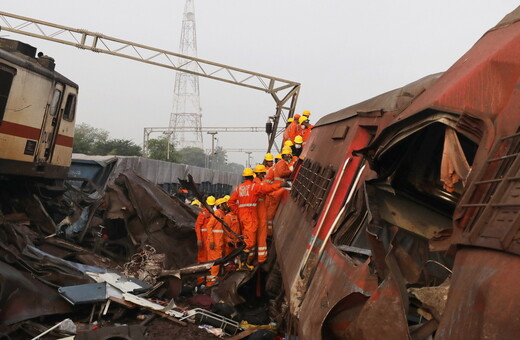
(277, 174)
(232, 221)
(244, 201)
(202, 234)
(268, 160)
(261, 209)
(306, 128)
(215, 240)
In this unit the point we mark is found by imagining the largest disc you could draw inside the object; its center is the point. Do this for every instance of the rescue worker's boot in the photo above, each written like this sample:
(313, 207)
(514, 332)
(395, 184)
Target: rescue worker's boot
(242, 261)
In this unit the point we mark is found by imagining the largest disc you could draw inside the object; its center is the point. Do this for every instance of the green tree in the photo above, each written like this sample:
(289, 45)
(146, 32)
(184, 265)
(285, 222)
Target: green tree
(192, 156)
(86, 137)
(94, 141)
(234, 168)
(158, 149)
(120, 147)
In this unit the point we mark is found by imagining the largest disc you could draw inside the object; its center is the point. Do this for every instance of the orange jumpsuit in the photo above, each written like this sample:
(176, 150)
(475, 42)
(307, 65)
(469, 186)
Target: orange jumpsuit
(306, 133)
(276, 174)
(232, 221)
(215, 236)
(291, 131)
(244, 201)
(261, 235)
(202, 234)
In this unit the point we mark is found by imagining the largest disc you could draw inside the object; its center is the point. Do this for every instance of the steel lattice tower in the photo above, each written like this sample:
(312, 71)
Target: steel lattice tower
(186, 112)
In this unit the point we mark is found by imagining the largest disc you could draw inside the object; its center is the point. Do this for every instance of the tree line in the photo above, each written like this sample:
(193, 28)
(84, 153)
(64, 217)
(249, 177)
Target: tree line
(95, 141)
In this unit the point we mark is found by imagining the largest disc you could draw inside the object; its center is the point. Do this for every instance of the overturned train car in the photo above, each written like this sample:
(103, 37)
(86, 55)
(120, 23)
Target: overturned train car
(403, 221)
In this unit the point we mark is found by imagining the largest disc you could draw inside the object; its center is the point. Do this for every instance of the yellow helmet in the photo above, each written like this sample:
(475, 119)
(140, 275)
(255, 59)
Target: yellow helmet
(195, 202)
(290, 120)
(279, 156)
(286, 150)
(248, 172)
(210, 200)
(302, 119)
(298, 139)
(227, 197)
(220, 201)
(269, 157)
(306, 113)
(260, 168)
(288, 143)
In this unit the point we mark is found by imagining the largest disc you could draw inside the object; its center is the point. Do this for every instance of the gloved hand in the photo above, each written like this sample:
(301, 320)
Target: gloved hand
(285, 184)
(291, 168)
(212, 245)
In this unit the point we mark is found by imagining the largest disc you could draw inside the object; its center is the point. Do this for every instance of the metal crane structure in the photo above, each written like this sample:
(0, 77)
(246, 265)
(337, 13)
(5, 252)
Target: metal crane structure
(284, 92)
(186, 110)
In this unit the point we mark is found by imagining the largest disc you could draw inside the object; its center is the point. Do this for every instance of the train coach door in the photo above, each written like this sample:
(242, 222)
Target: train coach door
(50, 125)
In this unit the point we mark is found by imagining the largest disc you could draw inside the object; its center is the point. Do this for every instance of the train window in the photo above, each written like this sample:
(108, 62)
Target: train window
(6, 80)
(311, 186)
(70, 107)
(55, 104)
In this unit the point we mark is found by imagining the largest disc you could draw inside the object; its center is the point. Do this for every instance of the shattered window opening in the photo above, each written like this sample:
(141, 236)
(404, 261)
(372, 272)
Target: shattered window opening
(6, 80)
(311, 186)
(70, 107)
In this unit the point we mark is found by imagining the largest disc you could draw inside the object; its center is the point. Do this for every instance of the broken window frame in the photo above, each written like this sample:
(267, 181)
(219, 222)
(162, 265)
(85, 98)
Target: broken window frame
(7, 74)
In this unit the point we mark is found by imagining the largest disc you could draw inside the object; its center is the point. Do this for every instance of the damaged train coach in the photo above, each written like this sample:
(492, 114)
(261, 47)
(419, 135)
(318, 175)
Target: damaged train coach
(37, 114)
(403, 221)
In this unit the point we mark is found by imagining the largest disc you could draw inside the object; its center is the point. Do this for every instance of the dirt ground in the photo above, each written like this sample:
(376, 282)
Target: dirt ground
(161, 329)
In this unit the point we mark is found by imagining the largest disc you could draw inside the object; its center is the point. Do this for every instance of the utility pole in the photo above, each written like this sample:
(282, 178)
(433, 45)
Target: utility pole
(248, 162)
(186, 112)
(212, 156)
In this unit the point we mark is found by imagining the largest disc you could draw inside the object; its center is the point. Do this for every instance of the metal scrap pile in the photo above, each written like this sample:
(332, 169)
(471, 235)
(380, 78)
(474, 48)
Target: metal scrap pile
(62, 260)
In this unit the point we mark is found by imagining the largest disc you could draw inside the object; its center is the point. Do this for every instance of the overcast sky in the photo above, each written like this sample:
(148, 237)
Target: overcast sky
(341, 51)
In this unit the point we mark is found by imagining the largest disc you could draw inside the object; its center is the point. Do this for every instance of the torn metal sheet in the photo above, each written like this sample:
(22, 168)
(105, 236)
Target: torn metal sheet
(23, 297)
(433, 298)
(124, 284)
(151, 305)
(227, 289)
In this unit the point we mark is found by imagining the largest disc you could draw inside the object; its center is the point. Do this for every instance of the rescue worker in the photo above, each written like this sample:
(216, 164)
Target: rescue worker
(288, 143)
(202, 234)
(297, 148)
(277, 174)
(306, 128)
(196, 202)
(292, 129)
(268, 160)
(261, 209)
(233, 223)
(215, 231)
(277, 159)
(244, 201)
(285, 135)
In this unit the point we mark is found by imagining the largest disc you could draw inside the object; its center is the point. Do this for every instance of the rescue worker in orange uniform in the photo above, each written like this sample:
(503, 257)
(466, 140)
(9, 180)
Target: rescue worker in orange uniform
(291, 131)
(261, 208)
(244, 201)
(285, 135)
(216, 241)
(306, 128)
(233, 223)
(277, 174)
(202, 234)
(277, 159)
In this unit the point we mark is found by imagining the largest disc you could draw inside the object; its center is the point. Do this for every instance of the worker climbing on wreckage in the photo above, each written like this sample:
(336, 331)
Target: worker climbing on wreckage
(297, 147)
(202, 234)
(216, 240)
(277, 174)
(244, 202)
(261, 209)
(305, 128)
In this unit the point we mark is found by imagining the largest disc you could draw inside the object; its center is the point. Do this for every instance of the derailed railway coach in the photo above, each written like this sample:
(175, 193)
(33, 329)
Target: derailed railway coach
(37, 114)
(403, 221)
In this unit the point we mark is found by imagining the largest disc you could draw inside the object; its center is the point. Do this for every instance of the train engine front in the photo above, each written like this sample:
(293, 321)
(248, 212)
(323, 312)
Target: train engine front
(37, 114)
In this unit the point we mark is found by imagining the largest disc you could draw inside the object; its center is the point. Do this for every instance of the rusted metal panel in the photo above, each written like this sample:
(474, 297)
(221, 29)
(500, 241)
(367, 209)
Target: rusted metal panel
(484, 299)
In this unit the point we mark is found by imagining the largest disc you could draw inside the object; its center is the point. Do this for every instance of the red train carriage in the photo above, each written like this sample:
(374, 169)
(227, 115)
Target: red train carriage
(403, 221)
